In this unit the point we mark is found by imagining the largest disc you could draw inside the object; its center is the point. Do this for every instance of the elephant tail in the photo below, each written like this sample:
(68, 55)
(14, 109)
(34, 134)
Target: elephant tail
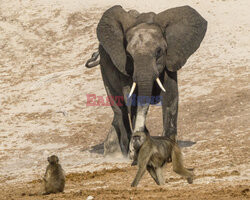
(94, 60)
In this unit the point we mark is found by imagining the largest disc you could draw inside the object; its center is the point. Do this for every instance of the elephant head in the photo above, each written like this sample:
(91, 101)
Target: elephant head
(152, 42)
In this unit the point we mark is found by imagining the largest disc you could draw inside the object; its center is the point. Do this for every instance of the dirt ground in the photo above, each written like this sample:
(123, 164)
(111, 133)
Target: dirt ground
(43, 87)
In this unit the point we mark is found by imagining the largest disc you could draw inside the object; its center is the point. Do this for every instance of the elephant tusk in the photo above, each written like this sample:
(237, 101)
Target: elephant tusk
(132, 89)
(160, 85)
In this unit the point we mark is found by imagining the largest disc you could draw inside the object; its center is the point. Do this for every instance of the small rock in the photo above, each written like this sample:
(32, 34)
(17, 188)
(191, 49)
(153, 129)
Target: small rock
(90, 198)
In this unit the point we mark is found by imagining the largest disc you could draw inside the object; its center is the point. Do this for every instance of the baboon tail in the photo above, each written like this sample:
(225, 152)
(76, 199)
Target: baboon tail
(178, 167)
(93, 61)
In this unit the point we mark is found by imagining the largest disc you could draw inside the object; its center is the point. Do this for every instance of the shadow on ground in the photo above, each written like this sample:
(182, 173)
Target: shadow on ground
(99, 149)
(183, 143)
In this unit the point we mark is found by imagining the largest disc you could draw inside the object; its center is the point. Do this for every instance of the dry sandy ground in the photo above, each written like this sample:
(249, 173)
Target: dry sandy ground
(43, 87)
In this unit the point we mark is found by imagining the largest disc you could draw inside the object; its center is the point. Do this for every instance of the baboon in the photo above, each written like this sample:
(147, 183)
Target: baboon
(134, 147)
(153, 152)
(54, 178)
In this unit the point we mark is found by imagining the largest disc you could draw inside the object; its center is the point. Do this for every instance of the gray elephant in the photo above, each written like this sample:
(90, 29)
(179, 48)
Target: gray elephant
(139, 58)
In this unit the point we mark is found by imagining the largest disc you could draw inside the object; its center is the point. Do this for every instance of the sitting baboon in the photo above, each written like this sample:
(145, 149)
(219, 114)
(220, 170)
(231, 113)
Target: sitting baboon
(152, 153)
(54, 178)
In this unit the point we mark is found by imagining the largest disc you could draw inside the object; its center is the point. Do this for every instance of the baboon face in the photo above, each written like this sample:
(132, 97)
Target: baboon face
(138, 139)
(53, 159)
(137, 142)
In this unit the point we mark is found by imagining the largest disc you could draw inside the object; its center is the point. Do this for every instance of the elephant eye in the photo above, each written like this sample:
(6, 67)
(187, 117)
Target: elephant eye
(158, 52)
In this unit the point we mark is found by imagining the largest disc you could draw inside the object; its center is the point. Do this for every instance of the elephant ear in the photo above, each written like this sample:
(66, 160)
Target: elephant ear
(184, 30)
(110, 32)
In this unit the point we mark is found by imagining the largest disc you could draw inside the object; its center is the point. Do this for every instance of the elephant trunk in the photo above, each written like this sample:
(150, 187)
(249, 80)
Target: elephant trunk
(143, 99)
(144, 76)
(145, 88)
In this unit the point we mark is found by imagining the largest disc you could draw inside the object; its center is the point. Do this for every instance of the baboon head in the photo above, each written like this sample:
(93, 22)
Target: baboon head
(53, 159)
(138, 139)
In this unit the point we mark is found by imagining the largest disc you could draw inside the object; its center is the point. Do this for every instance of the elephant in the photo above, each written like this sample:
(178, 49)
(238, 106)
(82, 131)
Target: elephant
(140, 54)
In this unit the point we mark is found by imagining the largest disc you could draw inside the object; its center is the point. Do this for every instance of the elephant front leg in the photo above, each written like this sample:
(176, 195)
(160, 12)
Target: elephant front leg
(111, 143)
(118, 137)
(117, 141)
(170, 105)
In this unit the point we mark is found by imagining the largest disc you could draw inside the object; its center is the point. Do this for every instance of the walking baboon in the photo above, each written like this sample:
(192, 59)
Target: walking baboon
(54, 178)
(153, 152)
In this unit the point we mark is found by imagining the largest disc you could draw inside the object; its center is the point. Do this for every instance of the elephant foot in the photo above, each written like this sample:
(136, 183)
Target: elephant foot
(111, 144)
